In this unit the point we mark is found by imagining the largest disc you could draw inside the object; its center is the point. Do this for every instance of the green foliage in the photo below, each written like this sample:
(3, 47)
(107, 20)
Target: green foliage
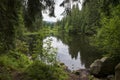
(11, 63)
(11, 23)
(85, 20)
(99, 17)
(71, 23)
(22, 46)
(49, 52)
(14, 60)
(108, 36)
(14, 46)
(33, 13)
(40, 71)
(42, 66)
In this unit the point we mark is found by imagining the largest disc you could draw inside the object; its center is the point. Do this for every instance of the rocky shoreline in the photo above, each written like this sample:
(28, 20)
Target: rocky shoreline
(84, 74)
(101, 69)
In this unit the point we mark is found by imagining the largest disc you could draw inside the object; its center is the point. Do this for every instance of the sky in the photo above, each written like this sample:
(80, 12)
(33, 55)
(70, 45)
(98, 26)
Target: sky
(58, 11)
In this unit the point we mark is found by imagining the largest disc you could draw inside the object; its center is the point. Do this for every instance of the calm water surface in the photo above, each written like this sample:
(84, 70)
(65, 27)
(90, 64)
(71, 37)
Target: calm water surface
(74, 53)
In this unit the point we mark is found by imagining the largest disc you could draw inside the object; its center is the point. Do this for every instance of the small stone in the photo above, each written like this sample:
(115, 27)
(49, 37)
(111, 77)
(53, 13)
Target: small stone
(77, 73)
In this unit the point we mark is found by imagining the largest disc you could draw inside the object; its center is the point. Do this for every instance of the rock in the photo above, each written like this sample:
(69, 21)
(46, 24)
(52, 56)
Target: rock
(117, 72)
(110, 77)
(95, 66)
(81, 74)
(103, 59)
(103, 67)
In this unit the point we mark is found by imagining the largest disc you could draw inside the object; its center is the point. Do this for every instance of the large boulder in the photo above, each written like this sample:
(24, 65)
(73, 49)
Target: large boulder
(103, 67)
(95, 67)
(117, 72)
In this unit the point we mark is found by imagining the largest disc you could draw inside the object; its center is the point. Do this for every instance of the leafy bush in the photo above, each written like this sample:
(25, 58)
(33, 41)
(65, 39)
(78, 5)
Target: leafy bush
(40, 71)
(108, 36)
(45, 66)
(14, 60)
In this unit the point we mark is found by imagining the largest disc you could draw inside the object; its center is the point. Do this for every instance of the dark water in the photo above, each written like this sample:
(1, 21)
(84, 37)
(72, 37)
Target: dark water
(74, 51)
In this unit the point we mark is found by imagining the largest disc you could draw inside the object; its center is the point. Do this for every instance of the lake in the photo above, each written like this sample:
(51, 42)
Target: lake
(75, 52)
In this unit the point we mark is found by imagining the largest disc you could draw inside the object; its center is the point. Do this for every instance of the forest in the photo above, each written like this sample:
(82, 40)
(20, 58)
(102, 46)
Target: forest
(95, 28)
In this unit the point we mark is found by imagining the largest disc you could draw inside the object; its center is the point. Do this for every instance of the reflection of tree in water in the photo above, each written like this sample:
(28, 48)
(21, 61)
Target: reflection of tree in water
(74, 47)
(87, 52)
(80, 43)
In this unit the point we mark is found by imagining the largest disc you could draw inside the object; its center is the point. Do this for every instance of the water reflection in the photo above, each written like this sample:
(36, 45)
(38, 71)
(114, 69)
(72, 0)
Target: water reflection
(64, 56)
(75, 51)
